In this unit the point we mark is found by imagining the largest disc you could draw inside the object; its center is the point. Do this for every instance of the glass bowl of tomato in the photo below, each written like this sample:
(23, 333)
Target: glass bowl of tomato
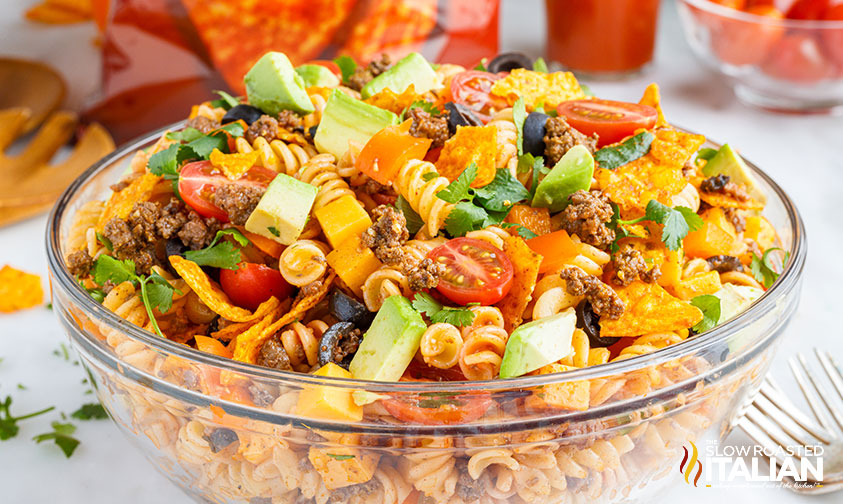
(231, 432)
(785, 55)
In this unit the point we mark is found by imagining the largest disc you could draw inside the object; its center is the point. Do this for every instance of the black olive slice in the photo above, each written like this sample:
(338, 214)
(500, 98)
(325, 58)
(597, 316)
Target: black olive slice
(460, 115)
(534, 131)
(589, 322)
(221, 438)
(348, 309)
(329, 346)
(508, 61)
(247, 113)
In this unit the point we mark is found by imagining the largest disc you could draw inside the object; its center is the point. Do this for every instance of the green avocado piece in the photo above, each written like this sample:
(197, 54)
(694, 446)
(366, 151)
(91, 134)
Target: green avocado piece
(538, 343)
(317, 75)
(283, 209)
(728, 162)
(411, 69)
(272, 85)
(346, 119)
(390, 343)
(572, 173)
(733, 300)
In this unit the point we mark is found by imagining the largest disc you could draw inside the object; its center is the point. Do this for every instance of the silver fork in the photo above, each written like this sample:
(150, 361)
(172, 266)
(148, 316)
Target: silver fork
(774, 422)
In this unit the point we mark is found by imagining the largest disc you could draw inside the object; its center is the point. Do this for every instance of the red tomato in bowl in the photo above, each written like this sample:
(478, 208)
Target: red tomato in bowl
(797, 58)
(611, 120)
(740, 42)
(807, 9)
(199, 180)
(252, 284)
(473, 89)
(833, 37)
(434, 408)
(475, 271)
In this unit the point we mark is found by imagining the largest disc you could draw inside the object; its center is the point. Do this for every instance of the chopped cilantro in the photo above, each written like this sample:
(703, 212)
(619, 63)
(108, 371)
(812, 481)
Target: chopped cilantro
(49, 306)
(414, 220)
(539, 65)
(9, 424)
(424, 303)
(706, 153)
(427, 106)
(186, 135)
(347, 66)
(465, 217)
(709, 305)
(460, 189)
(763, 270)
(62, 435)
(274, 231)
(225, 100)
(105, 242)
(519, 115)
(482, 65)
(503, 192)
(678, 222)
(90, 411)
(340, 457)
(522, 231)
(586, 90)
(429, 176)
(629, 150)
(223, 255)
(21, 386)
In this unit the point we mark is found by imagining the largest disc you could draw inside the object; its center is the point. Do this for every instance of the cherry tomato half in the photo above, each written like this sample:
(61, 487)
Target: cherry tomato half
(473, 89)
(199, 180)
(807, 9)
(419, 371)
(252, 284)
(833, 38)
(797, 58)
(438, 408)
(475, 271)
(611, 120)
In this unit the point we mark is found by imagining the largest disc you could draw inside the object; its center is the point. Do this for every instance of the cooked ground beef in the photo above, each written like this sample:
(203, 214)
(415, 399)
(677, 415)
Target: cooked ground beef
(604, 300)
(79, 263)
(171, 219)
(308, 290)
(197, 233)
(343, 494)
(261, 396)
(386, 236)
(715, 183)
(425, 275)
(735, 217)
(107, 286)
(560, 137)
(725, 263)
(266, 127)
(362, 75)
(289, 120)
(273, 355)
(127, 246)
(142, 219)
(203, 124)
(238, 201)
(587, 216)
(468, 488)
(629, 264)
(427, 126)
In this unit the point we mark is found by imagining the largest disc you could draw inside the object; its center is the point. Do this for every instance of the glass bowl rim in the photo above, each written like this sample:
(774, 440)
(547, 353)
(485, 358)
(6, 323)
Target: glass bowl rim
(65, 281)
(727, 12)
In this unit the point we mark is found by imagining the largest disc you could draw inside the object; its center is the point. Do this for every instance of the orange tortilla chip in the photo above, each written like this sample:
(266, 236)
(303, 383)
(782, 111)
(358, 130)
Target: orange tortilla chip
(231, 331)
(233, 165)
(649, 309)
(549, 89)
(388, 100)
(248, 344)
(470, 144)
(291, 137)
(212, 295)
(525, 264)
(121, 203)
(19, 290)
(653, 98)
(654, 176)
(730, 201)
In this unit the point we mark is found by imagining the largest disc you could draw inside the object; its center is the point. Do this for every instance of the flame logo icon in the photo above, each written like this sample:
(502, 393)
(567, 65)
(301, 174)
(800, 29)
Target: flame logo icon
(687, 466)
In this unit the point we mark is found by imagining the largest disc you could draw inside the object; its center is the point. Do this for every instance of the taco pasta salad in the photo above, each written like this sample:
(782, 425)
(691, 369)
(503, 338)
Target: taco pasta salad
(409, 222)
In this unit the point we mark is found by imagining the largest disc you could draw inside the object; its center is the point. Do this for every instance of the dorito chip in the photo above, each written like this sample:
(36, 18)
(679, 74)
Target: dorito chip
(470, 144)
(550, 89)
(525, 265)
(231, 331)
(731, 200)
(19, 290)
(120, 203)
(649, 309)
(233, 165)
(248, 344)
(654, 176)
(653, 98)
(212, 295)
(388, 100)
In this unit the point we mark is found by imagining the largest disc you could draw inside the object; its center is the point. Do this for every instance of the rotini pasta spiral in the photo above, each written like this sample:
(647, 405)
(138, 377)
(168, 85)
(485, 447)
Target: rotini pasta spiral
(483, 316)
(440, 346)
(688, 197)
(277, 155)
(314, 118)
(507, 148)
(321, 171)
(383, 283)
(482, 352)
(583, 355)
(431, 470)
(480, 460)
(301, 342)
(649, 343)
(421, 194)
(492, 235)
(303, 262)
(416, 250)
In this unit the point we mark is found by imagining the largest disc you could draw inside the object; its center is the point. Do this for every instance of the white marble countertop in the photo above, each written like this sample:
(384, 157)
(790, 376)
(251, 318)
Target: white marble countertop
(801, 153)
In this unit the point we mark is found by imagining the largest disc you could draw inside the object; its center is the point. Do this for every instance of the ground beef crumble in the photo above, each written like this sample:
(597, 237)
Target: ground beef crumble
(604, 300)
(289, 120)
(725, 263)
(273, 355)
(629, 264)
(587, 217)
(735, 217)
(238, 201)
(203, 124)
(127, 246)
(79, 263)
(428, 126)
(343, 494)
(266, 127)
(362, 75)
(386, 236)
(561, 137)
(424, 275)
(468, 488)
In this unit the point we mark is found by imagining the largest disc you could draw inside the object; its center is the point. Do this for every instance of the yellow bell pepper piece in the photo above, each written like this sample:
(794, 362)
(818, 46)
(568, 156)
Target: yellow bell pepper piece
(353, 262)
(329, 402)
(342, 218)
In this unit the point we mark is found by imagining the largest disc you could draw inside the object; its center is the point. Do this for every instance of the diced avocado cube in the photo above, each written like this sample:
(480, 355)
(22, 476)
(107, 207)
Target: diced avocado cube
(735, 299)
(728, 162)
(538, 343)
(317, 75)
(346, 119)
(572, 173)
(390, 343)
(283, 210)
(272, 85)
(411, 69)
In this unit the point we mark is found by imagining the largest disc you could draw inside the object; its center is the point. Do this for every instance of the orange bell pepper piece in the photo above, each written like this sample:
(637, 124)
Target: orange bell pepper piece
(555, 248)
(387, 151)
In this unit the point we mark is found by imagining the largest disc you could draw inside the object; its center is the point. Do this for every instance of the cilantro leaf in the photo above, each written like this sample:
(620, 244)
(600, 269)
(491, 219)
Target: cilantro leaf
(109, 268)
(539, 65)
(8, 423)
(460, 189)
(62, 435)
(234, 233)
(222, 255)
(763, 270)
(482, 65)
(629, 150)
(519, 115)
(165, 163)
(424, 303)
(438, 314)
(90, 411)
(105, 242)
(677, 223)
(586, 90)
(274, 231)
(186, 135)
(503, 192)
(347, 67)
(465, 217)
(340, 457)
(226, 101)
(202, 147)
(522, 231)
(427, 106)
(414, 220)
(709, 305)
(159, 293)
(233, 129)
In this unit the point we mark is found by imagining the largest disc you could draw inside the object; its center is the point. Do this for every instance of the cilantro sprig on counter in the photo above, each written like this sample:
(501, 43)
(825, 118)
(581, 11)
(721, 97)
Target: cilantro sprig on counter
(629, 150)
(677, 221)
(62, 435)
(225, 255)
(9, 424)
(156, 291)
(709, 305)
(763, 270)
(424, 303)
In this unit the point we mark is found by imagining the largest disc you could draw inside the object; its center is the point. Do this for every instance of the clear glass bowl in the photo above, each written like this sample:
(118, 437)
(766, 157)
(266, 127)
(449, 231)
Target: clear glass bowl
(228, 432)
(776, 64)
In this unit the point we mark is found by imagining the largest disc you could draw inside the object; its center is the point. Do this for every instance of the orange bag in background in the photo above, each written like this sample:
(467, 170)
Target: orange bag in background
(162, 56)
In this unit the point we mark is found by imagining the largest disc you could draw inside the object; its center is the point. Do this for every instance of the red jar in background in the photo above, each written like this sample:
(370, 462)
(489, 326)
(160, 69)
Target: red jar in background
(602, 37)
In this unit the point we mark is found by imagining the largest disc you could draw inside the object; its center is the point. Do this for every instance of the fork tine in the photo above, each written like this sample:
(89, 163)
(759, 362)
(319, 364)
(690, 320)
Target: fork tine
(778, 399)
(781, 414)
(799, 367)
(831, 370)
(771, 429)
(757, 434)
(825, 396)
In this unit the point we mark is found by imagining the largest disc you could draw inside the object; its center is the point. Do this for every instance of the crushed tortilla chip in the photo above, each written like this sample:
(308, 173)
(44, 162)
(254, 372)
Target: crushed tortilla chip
(291, 137)
(248, 344)
(723, 200)
(19, 290)
(536, 220)
(525, 264)
(231, 331)
(212, 295)
(233, 165)
(648, 308)
(654, 176)
(470, 144)
(120, 203)
(549, 89)
(395, 103)
(653, 98)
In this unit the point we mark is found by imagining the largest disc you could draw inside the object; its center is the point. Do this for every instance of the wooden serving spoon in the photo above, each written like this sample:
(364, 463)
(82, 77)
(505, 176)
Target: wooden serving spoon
(31, 85)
